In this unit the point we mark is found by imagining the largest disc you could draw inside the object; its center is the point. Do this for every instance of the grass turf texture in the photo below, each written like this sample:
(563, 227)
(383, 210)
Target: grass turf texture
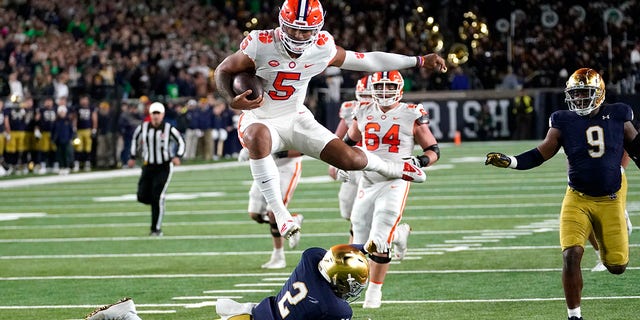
(89, 250)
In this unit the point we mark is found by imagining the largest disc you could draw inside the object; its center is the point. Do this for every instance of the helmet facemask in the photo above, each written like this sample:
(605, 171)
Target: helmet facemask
(387, 87)
(584, 92)
(346, 269)
(300, 16)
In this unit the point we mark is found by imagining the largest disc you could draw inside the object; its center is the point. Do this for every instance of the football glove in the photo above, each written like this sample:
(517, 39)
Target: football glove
(498, 159)
(420, 161)
(376, 245)
(343, 176)
(37, 134)
(243, 155)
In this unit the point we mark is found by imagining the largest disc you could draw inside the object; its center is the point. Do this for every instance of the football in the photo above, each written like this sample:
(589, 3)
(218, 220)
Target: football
(245, 81)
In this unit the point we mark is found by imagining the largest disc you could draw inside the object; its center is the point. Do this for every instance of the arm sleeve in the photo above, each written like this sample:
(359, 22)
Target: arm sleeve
(178, 138)
(134, 142)
(376, 61)
(527, 160)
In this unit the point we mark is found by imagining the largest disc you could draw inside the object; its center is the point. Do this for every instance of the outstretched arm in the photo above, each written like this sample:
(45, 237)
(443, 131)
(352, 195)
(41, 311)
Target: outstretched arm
(384, 61)
(529, 159)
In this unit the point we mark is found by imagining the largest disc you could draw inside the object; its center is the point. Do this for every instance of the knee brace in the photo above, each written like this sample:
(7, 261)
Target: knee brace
(274, 230)
(379, 259)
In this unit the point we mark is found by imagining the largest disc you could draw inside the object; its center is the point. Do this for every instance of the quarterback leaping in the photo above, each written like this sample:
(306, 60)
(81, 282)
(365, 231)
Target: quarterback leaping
(287, 58)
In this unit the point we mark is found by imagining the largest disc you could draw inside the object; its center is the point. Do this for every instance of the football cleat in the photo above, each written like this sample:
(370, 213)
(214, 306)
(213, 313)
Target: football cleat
(399, 242)
(574, 318)
(295, 238)
(289, 228)
(372, 299)
(229, 309)
(599, 267)
(124, 309)
(275, 263)
(413, 173)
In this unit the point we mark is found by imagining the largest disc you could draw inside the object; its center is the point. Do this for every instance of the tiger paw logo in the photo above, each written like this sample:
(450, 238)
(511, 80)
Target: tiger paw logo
(245, 42)
(359, 55)
(322, 39)
(265, 37)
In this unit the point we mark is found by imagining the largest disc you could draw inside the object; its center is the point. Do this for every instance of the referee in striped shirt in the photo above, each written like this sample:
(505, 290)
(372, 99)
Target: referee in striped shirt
(153, 138)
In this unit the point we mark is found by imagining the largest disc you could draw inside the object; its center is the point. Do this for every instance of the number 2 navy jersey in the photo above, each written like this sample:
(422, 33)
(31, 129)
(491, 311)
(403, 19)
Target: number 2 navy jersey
(594, 147)
(305, 296)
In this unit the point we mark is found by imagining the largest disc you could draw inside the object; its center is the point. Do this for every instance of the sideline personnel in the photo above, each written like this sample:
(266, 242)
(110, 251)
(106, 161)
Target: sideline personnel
(154, 139)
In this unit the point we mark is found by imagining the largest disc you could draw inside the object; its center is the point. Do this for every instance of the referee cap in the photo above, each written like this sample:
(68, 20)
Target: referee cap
(156, 107)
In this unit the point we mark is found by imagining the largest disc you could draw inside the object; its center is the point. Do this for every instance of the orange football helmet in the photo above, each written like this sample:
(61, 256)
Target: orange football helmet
(387, 87)
(363, 89)
(304, 15)
(584, 91)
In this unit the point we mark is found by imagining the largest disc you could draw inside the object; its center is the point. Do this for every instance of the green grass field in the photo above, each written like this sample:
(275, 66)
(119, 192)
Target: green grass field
(484, 244)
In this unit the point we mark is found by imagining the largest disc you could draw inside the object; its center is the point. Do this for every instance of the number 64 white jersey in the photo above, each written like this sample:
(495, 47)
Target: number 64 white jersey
(285, 78)
(389, 134)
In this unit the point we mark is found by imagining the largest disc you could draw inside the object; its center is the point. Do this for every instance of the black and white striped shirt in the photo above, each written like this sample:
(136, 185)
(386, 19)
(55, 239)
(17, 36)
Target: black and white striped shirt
(155, 143)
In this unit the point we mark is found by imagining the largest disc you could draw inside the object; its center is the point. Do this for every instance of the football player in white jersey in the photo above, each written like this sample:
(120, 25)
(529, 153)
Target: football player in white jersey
(390, 129)
(286, 58)
(349, 179)
(289, 165)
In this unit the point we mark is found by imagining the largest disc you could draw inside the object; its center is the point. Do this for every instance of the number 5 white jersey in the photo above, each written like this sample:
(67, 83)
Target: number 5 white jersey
(286, 78)
(389, 134)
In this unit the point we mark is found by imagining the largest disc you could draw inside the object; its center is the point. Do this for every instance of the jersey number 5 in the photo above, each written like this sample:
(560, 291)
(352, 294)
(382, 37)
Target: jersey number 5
(283, 92)
(292, 299)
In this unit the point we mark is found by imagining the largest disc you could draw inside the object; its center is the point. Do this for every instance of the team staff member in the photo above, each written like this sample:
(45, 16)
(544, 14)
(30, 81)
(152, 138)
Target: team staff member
(154, 139)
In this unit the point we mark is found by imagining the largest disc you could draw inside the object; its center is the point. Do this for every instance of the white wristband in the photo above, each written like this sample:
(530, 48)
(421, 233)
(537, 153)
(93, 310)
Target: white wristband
(514, 162)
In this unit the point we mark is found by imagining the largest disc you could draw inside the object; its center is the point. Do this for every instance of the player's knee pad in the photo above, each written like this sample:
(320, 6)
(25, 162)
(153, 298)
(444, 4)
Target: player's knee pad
(274, 229)
(380, 259)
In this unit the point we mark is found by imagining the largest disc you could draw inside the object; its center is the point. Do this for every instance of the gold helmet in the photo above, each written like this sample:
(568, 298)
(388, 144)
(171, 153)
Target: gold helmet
(585, 91)
(346, 269)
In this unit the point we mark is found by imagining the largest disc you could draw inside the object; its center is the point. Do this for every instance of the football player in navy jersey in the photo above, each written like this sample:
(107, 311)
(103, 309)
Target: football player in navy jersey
(594, 137)
(320, 287)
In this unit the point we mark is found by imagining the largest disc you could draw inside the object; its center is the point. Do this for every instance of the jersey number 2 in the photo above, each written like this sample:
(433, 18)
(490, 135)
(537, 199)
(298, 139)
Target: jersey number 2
(292, 299)
(283, 91)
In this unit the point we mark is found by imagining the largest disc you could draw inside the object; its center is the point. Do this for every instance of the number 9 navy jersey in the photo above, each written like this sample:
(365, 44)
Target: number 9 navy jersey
(594, 147)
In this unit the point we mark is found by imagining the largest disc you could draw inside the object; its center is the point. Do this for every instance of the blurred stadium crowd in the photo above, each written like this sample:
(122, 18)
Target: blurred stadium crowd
(117, 51)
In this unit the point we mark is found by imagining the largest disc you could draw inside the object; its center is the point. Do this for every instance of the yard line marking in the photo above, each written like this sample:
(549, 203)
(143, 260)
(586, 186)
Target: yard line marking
(384, 301)
(284, 274)
(237, 291)
(261, 284)
(206, 297)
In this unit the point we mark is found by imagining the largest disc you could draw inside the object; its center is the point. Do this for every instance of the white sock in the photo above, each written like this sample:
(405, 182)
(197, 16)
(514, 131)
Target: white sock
(265, 173)
(374, 286)
(574, 312)
(387, 169)
(277, 254)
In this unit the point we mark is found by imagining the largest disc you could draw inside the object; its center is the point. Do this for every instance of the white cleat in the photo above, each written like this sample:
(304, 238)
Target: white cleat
(372, 299)
(229, 309)
(413, 173)
(401, 235)
(275, 263)
(599, 267)
(295, 238)
(289, 228)
(124, 309)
